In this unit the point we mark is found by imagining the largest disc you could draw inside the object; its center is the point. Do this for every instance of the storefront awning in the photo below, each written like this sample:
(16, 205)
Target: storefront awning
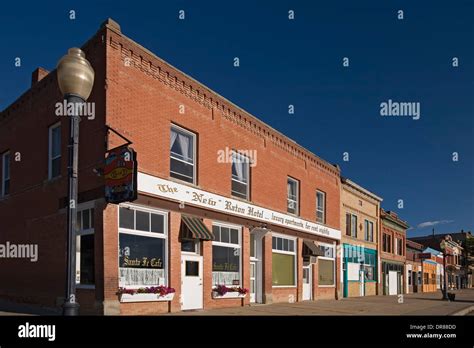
(196, 228)
(311, 249)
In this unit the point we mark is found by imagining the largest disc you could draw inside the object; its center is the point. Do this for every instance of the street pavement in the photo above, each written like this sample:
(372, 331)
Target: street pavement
(411, 304)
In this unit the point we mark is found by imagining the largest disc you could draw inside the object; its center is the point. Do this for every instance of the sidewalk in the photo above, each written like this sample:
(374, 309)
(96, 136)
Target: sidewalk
(413, 304)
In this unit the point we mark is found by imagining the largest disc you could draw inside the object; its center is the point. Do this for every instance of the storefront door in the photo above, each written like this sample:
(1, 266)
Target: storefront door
(253, 281)
(414, 281)
(191, 284)
(307, 281)
(392, 282)
(361, 283)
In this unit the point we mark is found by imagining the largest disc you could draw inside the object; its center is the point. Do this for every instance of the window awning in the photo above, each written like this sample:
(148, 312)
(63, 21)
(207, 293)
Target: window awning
(196, 228)
(311, 249)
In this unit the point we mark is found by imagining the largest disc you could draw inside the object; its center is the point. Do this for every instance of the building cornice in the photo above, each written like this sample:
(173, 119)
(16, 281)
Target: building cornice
(152, 65)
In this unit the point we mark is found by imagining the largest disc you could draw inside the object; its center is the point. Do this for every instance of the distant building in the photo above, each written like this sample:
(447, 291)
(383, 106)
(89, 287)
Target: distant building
(413, 267)
(360, 226)
(392, 252)
(459, 256)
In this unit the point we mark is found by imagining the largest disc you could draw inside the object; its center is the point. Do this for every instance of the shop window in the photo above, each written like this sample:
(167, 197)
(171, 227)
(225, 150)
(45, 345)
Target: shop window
(183, 155)
(54, 152)
(326, 265)
(320, 207)
(85, 270)
(5, 187)
(226, 256)
(142, 247)
(283, 261)
(292, 198)
(240, 176)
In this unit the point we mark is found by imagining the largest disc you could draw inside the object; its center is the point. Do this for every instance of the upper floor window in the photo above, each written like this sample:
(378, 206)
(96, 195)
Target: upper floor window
(240, 176)
(387, 243)
(54, 153)
(320, 207)
(369, 231)
(183, 155)
(293, 199)
(5, 174)
(400, 246)
(351, 225)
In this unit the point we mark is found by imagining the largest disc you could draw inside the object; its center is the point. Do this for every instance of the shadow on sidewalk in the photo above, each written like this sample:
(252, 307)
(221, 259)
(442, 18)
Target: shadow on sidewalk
(26, 309)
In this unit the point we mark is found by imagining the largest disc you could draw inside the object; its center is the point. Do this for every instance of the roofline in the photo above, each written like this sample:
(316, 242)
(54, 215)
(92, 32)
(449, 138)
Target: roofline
(361, 189)
(224, 99)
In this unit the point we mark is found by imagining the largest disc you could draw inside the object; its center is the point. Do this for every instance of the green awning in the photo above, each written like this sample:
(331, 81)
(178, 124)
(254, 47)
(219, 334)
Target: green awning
(196, 228)
(311, 249)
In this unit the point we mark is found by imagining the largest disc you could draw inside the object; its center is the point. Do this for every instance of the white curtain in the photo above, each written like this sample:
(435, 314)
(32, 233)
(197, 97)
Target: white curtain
(174, 135)
(184, 145)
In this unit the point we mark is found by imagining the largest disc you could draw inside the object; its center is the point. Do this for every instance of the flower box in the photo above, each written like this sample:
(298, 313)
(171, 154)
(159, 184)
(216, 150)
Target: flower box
(145, 297)
(147, 294)
(216, 295)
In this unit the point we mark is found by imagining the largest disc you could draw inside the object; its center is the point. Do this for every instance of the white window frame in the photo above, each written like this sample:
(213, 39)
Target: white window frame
(333, 246)
(145, 234)
(245, 160)
(80, 208)
(231, 245)
(4, 175)
(324, 207)
(50, 150)
(295, 243)
(288, 199)
(194, 137)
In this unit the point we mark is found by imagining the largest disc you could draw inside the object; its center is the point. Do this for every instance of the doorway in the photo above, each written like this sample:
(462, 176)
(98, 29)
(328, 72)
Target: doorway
(256, 257)
(361, 282)
(307, 283)
(191, 282)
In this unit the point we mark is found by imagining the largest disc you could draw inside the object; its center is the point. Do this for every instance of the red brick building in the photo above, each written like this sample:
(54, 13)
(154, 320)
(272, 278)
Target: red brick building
(223, 199)
(392, 247)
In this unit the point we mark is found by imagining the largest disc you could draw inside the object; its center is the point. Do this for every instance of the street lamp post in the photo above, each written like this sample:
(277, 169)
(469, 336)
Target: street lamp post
(445, 254)
(75, 79)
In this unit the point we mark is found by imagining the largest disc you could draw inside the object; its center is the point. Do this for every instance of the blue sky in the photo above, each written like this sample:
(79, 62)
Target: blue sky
(299, 62)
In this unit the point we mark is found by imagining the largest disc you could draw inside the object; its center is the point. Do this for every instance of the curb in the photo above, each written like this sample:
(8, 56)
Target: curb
(464, 311)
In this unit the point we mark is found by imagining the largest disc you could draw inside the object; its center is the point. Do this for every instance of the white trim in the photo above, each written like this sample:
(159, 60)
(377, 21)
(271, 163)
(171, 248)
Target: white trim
(145, 234)
(180, 192)
(146, 297)
(334, 271)
(4, 179)
(230, 245)
(194, 164)
(288, 199)
(324, 206)
(284, 252)
(247, 184)
(50, 149)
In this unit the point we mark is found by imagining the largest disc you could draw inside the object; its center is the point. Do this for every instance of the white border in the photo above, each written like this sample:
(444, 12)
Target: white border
(186, 194)
(145, 234)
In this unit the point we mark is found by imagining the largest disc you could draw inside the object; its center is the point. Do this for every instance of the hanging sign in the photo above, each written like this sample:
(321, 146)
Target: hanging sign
(120, 174)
